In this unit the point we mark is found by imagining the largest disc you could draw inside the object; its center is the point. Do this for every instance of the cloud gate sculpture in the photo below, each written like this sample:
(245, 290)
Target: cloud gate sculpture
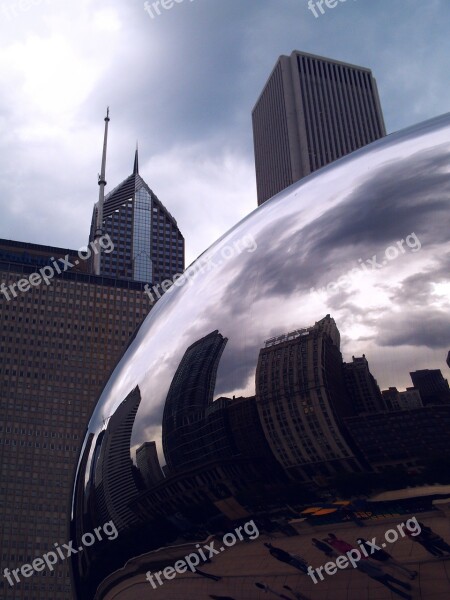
(296, 370)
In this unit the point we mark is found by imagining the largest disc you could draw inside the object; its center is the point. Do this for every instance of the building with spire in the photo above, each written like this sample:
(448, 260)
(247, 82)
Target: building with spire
(148, 245)
(64, 337)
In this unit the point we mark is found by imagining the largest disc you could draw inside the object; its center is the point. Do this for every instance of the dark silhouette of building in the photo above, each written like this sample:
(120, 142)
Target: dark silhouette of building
(362, 386)
(312, 111)
(148, 464)
(391, 398)
(410, 398)
(403, 438)
(148, 245)
(188, 403)
(395, 400)
(433, 388)
(301, 399)
(448, 359)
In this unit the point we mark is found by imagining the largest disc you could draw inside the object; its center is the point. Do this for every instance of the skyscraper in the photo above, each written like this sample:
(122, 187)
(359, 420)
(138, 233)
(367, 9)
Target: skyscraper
(148, 244)
(301, 399)
(312, 111)
(58, 344)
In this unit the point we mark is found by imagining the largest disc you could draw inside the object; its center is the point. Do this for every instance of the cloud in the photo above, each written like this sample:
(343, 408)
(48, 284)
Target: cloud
(184, 84)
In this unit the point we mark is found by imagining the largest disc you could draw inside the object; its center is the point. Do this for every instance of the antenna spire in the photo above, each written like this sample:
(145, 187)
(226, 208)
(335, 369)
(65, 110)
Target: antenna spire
(136, 161)
(101, 197)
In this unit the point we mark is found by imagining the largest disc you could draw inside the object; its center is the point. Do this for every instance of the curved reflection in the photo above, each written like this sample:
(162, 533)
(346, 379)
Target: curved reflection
(278, 367)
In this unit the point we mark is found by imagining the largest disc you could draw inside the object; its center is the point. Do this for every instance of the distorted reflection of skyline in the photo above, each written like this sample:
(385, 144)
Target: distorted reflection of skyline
(308, 236)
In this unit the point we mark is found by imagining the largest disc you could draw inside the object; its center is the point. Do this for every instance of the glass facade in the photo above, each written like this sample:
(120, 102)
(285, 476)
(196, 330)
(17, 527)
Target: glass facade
(142, 227)
(148, 245)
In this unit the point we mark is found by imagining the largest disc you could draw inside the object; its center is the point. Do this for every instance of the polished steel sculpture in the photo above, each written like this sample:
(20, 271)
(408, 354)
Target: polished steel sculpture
(245, 393)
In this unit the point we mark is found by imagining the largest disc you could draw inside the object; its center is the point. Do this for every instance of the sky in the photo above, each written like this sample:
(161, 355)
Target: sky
(183, 84)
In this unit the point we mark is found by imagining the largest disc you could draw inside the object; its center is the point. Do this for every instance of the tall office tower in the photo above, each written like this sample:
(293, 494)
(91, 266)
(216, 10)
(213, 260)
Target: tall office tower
(433, 388)
(312, 111)
(58, 344)
(362, 386)
(148, 244)
(301, 399)
(190, 394)
(148, 464)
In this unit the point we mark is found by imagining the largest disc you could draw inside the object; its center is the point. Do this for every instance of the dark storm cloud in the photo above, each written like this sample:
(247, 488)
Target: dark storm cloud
(417, 328)
(393, 201)
(418, 289)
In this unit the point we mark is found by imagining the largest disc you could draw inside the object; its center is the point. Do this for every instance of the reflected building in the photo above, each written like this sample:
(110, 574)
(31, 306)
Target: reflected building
(362, 386)
(433, 388)
(114, 464)
(312, 111)
(236, 467)
(148, 464)
(189, 411)
(148, 245)
(395, 400)
(301, 399)
(402, 438)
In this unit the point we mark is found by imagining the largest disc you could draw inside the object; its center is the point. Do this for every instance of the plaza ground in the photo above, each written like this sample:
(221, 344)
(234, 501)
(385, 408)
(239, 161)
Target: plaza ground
(248, 562)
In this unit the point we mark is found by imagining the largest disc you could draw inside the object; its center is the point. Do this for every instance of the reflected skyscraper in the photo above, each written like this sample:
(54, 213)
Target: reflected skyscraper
(395, 400)
(301, 398)
(312, 110)
(148, 464)
(433, 388)
(190, 395)
(362, 386)
(148, 245)
(114, 464)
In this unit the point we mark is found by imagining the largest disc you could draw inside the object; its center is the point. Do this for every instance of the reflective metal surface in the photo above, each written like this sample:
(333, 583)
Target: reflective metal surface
(233, 403)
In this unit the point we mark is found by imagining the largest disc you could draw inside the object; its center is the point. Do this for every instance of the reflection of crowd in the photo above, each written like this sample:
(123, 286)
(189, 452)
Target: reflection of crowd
(374, 565)
(431, 541)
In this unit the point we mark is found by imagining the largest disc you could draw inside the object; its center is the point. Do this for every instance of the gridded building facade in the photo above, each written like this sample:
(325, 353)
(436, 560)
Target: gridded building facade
(148, 245)
(58, 344)
(311, 112)
(301, 399)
